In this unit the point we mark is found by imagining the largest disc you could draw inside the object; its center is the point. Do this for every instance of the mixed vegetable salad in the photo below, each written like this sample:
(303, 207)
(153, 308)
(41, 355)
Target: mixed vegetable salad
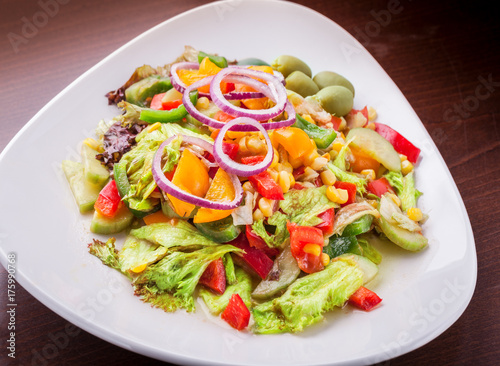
(254, 187)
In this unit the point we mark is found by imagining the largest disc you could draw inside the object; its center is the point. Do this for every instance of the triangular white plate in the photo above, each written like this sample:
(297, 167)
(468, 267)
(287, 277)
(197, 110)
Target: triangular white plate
(423, 293)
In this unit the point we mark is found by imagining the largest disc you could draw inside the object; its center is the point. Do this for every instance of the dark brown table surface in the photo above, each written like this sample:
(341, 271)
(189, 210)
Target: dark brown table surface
(437, 52)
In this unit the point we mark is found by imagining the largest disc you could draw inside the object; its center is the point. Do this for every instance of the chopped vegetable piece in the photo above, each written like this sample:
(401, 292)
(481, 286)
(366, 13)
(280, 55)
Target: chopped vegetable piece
(266, 186)
(364, 299)
(108, 200)
(327, 225)
(300, 238)
(255, 258)
(379, 187)
(351, 191)
(236, 313)
(400, 143)
(214, 276)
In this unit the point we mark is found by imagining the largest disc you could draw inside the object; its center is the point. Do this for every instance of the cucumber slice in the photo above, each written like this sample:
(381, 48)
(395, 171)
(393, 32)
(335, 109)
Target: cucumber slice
(368, 268)
(285, 271)
(375, 146)
(111, 225)
(360, 226)
(95, 172)
(412, 241)
(146, 88)
(84, 192)
(220, 231)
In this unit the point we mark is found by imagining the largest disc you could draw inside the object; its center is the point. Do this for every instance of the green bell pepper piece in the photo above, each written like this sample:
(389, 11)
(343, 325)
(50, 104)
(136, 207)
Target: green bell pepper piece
(174, 115)
(146, 88)
(323, 137)
(218, 60)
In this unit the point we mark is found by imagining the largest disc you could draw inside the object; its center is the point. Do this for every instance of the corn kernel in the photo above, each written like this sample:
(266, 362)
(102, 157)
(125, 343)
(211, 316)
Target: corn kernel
(403, 157)
(343, 195)
(337, 146)
(266, 206)
(332, 194)
(308, 118)
(248, 187)
(255, 145)
(326, 156)
(243, 145)
(258, 215)
(295, 163)
(312, 248)
(276, 159)
(284, 181)
(154, 127)
(309, 157)
(202, 103)
(93, 144)
(406, 167)
(328, 178)
(373, 203)
(369, 173)
(319, 163)
(415, 214)
(372, 114)
(371, 126)
(274, 174)
(287, 167)
(139, 268)
(395, 199)
(309, 173)
(292, 179)
(325, 259)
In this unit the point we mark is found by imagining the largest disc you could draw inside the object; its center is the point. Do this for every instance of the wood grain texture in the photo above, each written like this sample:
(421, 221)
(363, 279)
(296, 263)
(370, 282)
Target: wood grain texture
(438, 53)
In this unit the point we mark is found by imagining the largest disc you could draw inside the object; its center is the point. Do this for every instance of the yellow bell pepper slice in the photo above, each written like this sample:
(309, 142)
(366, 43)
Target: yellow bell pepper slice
(221, 189)
(295, 141)
(191, 175)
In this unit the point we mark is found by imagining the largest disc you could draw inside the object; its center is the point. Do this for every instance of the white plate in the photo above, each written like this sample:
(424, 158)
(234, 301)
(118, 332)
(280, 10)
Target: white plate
(423, 294)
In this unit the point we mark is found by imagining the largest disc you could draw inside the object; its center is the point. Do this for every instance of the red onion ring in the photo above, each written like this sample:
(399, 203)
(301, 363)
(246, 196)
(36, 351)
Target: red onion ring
(274, 85)
(166, 185)
(219, 125)
(231, 166)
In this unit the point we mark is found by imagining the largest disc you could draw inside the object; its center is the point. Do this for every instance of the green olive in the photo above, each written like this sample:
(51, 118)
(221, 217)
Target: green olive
(335, 99)
(286, 64)
(302, 84)
(253, 62)
(328, 78)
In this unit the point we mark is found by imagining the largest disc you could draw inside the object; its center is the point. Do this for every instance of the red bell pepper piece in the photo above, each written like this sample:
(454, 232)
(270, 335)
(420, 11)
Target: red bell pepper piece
(252, 160)
(351, 191)
(230, 149)
(353, 122)
(327, 225)
(109, 200)
(253, 257)
(379, 187)
(336, 121)
(156, 102)
(214, 276)
(171, 104)
(364, 299)
(399, 142)
(300, 236)
(257, 242)
(236, 313)
(223, 116)
(266, 186)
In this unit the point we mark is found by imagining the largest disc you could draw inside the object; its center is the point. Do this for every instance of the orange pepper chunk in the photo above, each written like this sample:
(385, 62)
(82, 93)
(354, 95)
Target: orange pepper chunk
(191, 175)
(255, 103)
(295, 141)
(156, 217)
(207, 68)
(220, 190)
(363, 161)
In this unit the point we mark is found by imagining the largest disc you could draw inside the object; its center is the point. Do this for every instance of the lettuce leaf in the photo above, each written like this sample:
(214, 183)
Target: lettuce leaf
(405, 188)
(305, 300)
(344, 176)
(136, 253)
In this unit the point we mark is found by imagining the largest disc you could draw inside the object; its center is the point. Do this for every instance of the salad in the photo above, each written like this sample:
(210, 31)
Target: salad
(253, 187)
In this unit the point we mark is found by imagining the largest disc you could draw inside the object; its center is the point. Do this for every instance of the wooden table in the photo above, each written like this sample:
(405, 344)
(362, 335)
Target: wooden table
(438, 52)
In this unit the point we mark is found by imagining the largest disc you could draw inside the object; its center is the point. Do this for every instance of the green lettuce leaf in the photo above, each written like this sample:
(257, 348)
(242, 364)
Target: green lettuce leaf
(307, 299)
(182, 235)
(344, 176)
(136, 253)
(405, 188)
(106, 252)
